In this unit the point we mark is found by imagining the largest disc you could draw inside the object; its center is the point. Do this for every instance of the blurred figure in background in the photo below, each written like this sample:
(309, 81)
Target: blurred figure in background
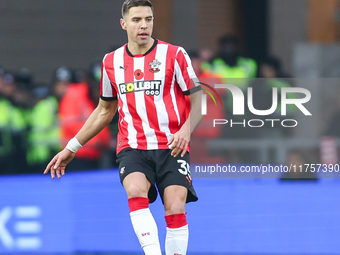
(108, 159)
(229, 63)
(61, 79)
(205, 130)
(44, 136)
(202, 73)
(270, 77)
(94, 80)
(2, 72)
(235, 69)
(74, 109)
(271, 68)
(15, 113)
(6, 144)
(45, 133)
(205, 55)
(333, 125)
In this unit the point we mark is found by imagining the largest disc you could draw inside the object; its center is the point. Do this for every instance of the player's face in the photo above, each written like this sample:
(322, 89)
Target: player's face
(138, 23)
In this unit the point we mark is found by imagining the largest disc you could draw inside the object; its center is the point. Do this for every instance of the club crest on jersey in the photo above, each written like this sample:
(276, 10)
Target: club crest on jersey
(155, 66)
(151, 88)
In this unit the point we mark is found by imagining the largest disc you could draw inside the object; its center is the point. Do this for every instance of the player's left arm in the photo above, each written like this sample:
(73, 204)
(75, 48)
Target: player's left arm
(185, 76)
(180, 140)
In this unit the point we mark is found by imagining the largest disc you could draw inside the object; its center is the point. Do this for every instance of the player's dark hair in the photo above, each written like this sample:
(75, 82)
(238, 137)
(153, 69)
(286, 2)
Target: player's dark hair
(134, 3)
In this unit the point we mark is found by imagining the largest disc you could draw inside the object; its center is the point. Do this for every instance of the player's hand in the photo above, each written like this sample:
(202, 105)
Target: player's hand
(180, 142)
(58, 164)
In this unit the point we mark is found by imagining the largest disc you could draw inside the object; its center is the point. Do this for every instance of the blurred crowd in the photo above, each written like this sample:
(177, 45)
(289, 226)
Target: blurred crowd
(37, 120)
(230, 66)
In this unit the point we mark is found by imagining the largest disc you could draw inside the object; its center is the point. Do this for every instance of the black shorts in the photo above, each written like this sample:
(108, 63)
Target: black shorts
(160, 168)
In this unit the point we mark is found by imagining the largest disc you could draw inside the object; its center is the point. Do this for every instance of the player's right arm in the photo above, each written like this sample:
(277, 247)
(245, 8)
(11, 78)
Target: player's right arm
(98, 120)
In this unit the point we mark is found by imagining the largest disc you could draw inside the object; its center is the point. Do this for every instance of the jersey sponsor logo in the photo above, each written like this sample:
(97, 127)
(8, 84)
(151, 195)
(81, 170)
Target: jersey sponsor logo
(150, 87)
(155, 66)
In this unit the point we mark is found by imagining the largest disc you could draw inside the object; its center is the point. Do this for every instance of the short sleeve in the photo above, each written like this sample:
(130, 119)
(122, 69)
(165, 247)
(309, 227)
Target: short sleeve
(185, 74)
(107, 89)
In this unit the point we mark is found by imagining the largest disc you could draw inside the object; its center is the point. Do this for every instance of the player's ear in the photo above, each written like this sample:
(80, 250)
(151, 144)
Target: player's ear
(123, 23)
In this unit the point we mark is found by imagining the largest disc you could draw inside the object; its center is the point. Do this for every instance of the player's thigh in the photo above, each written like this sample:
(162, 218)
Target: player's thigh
(175, 197)
(174, 172)
(136, 185)
(136, 173)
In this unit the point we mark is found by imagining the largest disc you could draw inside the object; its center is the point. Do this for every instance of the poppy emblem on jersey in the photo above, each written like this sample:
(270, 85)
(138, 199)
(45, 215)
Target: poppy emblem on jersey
(139, 74)
(155, 66)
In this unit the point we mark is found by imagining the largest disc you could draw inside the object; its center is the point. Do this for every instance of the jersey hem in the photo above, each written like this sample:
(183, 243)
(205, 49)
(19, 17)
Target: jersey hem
(160, 147)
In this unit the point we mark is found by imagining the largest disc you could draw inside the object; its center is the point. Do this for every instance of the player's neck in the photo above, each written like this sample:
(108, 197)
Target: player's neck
(136, 49)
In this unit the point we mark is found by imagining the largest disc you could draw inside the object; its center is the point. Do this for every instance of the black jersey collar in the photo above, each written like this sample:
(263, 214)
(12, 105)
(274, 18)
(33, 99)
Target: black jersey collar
(151, 49)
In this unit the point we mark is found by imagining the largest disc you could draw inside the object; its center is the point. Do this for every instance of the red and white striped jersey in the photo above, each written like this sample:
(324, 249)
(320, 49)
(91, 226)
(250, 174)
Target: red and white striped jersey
(151, 90)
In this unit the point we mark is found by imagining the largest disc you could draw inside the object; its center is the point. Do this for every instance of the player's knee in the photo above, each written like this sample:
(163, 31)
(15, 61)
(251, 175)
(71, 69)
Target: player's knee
(175, 207)
(136, 191)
